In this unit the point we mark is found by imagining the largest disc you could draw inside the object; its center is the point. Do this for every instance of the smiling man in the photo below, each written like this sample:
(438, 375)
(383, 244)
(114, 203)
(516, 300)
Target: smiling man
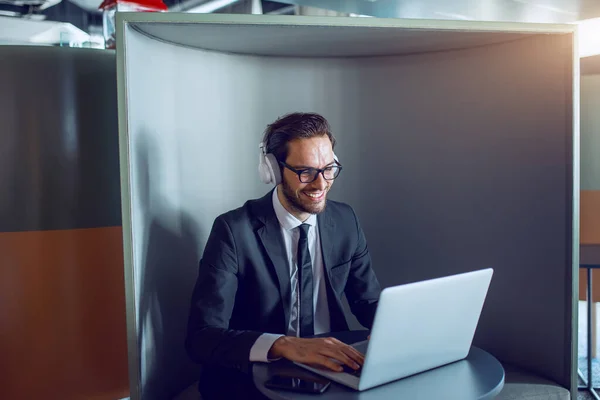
(275, 270)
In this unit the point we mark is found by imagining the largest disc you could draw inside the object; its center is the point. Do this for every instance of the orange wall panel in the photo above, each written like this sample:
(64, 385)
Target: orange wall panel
(62, 315)
(589, 233)
(589, 217)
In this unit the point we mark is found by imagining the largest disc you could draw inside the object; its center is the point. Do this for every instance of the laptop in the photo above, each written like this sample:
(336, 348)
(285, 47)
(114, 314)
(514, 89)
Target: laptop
(418, 327)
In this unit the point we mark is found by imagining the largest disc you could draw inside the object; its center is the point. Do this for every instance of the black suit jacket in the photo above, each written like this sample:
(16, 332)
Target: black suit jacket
(243, 287)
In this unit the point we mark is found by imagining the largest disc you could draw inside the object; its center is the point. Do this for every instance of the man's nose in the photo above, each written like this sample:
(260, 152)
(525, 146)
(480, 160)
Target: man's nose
(319, 183)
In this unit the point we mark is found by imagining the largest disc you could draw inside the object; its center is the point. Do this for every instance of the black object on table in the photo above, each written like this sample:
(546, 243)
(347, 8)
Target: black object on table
(479, 376)
(589, 258)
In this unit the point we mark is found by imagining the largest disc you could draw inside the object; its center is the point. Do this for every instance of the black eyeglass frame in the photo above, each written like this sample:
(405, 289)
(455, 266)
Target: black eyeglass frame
(318, 171)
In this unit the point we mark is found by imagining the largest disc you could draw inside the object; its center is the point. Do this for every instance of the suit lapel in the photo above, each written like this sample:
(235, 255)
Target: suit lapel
(272, 240)
(328, 244)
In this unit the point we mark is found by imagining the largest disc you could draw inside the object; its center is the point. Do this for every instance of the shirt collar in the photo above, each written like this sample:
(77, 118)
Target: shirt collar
(287, 220)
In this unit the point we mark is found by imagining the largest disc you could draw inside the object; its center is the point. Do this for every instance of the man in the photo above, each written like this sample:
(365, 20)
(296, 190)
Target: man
(274, 271)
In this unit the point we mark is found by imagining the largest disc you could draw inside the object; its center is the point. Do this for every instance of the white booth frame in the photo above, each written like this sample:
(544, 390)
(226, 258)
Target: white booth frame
(127, 20)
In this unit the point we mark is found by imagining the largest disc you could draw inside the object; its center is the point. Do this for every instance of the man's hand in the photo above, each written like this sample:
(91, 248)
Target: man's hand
(317, 352)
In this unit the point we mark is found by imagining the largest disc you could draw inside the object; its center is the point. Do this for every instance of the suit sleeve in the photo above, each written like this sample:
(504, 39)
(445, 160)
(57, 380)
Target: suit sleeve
(209, 340)
(362, 288)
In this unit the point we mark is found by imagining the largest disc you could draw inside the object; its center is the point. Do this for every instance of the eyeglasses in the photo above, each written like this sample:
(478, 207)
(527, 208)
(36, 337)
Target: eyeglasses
(308, 175)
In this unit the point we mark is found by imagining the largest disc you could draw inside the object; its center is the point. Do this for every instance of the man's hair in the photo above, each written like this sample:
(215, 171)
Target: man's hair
(294, 126)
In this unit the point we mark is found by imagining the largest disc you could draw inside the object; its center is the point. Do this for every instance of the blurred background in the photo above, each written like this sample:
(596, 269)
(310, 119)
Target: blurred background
(79, 23)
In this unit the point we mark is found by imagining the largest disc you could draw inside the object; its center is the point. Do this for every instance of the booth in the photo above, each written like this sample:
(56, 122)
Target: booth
(460, 147)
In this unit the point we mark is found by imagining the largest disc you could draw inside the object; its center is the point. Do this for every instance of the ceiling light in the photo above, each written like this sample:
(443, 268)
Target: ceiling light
(589, 37)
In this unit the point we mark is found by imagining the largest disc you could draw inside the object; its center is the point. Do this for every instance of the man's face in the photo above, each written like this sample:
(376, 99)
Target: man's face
(315, 152)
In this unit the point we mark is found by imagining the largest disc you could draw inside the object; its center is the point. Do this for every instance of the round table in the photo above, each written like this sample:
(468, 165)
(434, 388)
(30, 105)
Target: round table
(479, 376)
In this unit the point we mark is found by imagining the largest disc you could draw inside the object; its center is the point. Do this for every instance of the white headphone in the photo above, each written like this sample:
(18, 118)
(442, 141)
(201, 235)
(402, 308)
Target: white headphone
(268, 167)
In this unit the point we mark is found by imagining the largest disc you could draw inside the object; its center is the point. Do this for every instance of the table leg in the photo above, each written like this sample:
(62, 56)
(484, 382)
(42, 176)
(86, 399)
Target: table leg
(589, 329)
(594, 330)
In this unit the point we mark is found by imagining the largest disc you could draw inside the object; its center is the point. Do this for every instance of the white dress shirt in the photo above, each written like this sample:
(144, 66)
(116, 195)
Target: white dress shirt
(291, 234)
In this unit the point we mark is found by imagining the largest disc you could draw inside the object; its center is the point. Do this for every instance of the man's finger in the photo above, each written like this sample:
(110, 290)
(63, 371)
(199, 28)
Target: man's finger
(355, 361)
(340, 356)
(350, 351)
(328, 363)
(336, 341)
(354, 354)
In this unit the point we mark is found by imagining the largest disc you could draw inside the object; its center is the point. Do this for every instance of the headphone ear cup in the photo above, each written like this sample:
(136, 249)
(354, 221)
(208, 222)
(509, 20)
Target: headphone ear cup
(263, 170)
(273, 167)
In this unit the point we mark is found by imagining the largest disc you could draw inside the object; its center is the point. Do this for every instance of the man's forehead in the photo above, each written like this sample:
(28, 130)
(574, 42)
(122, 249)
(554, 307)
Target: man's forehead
(310, 152)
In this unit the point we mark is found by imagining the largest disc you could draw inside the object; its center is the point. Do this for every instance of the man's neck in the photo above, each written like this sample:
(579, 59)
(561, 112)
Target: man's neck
(301, 216)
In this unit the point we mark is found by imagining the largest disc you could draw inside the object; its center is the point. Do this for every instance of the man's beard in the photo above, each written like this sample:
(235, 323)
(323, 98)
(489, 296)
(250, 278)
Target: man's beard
(296, 203)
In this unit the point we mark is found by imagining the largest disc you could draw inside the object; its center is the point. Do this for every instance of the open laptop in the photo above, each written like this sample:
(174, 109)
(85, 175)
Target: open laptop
(418, 327)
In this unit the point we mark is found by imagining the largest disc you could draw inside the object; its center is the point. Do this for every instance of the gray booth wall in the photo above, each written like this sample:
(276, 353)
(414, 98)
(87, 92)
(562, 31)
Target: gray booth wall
(454, 161)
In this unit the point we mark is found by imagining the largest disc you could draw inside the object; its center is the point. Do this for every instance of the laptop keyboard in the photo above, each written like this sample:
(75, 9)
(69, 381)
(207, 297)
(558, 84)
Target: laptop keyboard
(351, 371)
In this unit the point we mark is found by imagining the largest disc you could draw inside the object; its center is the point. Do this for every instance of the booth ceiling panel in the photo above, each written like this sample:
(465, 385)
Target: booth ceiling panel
(319, 41)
